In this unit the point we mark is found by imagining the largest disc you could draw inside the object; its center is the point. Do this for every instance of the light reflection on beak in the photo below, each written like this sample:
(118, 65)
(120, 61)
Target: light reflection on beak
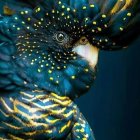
(87, 51)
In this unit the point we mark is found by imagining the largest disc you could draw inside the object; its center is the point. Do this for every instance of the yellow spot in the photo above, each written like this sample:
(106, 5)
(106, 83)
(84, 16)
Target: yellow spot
(39, 70)
(74, 10)
(103, 16)
(91, 5)
(38, 9)
(52, 68)
(93, 30)
(129, 14)
(68, 9)
(86, 70)
(26, 12)
(82, 130)
(22, 13)
(47, 64)
(94, 22)
(51, 78)
(106, 40)
(62, 14)
(18, 28)
(58, 68)
(39, 23)
(49, 71)
(99, 29)
(53, 11)
(57, 82)
(63, 6)
(59, 2)
(29, 19)
(84, 7)
(73, 77)
(121, 29)
(124, 18)
(105, 25)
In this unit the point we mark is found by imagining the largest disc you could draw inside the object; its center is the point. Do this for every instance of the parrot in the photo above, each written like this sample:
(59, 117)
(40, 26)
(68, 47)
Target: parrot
(49, 53)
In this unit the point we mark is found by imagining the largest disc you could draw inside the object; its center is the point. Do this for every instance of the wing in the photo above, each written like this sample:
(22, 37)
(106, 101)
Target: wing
(10, 74)
(8, 77)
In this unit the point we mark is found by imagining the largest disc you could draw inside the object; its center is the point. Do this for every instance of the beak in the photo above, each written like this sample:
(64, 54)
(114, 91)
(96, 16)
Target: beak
(87, 51)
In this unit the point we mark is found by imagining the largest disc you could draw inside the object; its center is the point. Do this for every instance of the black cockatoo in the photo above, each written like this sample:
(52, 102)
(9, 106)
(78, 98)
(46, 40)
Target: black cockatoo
(48, 56)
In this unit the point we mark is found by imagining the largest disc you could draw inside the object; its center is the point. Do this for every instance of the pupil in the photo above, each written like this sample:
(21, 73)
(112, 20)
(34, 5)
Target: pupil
(60, 36)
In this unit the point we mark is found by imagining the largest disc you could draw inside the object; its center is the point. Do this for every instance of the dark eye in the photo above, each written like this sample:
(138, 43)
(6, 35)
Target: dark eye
(61, 37)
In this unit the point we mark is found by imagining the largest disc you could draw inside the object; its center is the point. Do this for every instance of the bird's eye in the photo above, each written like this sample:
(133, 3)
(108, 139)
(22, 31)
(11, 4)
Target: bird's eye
(60, 37)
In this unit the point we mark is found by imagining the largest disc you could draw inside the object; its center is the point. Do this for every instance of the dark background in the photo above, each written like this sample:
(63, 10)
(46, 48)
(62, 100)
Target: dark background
(112, 106)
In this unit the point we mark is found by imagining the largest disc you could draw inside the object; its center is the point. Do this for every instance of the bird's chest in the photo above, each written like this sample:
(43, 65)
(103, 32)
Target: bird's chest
(29, 116)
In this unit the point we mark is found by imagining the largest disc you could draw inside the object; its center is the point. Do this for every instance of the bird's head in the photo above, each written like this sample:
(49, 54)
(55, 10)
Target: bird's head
(58, 43)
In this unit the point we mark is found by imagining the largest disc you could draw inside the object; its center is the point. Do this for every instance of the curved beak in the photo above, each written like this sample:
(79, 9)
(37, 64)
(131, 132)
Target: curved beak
(87, 51)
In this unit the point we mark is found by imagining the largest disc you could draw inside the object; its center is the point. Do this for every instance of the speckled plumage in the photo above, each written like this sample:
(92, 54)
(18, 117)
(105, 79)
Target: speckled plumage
(40, 71)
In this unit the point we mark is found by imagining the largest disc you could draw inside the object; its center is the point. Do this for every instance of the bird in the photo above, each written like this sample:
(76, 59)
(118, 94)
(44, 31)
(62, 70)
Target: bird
(49, 53)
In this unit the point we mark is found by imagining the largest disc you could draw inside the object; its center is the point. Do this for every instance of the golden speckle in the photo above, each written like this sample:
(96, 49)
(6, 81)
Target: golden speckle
(86, 70)
(84, 7)
(53, 11)
(91, 5)
(62, 14)
(58, 68)
(93, 30)
(23, 22)
(26, 12)
(51, 78)
(103, 16)
(38, 9)
(39, 23)
(22, 13)
(29, 19)
(39, 70)
(73, 77)
(68, 9)
(59, 2)
(94, 22)
(63, 6)
(129, 14)
(99, 29)
(18, 28)
(121, 29)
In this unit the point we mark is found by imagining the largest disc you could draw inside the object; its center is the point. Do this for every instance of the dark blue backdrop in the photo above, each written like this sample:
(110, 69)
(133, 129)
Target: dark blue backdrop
(112, 107)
